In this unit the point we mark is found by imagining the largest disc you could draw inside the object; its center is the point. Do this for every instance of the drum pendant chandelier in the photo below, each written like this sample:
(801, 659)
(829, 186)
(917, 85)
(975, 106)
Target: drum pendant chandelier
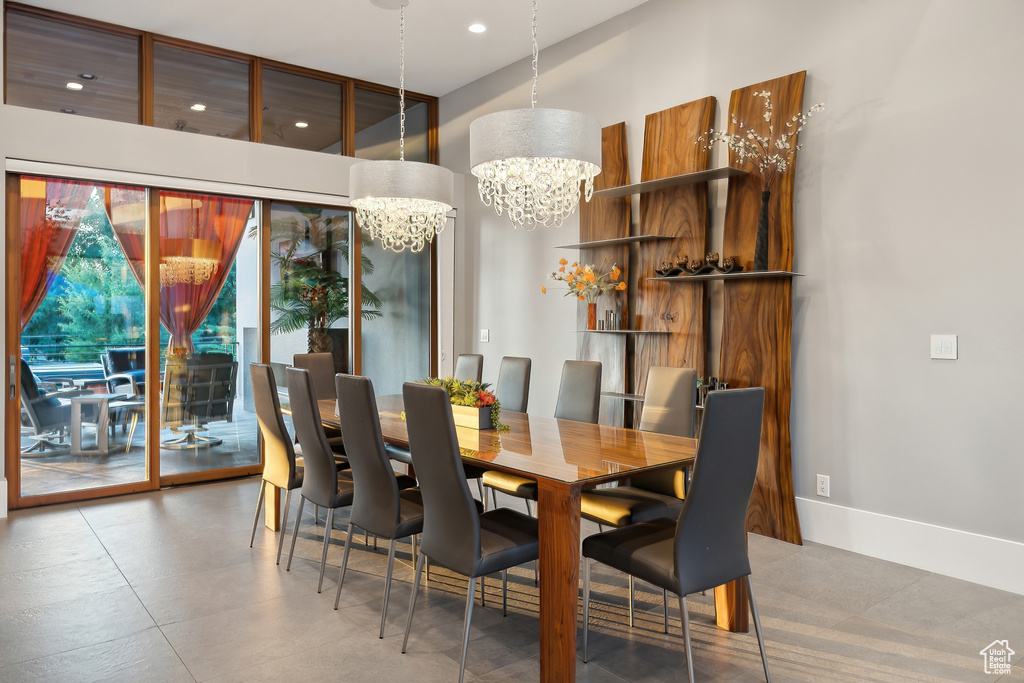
(401, 203)
(530, 162)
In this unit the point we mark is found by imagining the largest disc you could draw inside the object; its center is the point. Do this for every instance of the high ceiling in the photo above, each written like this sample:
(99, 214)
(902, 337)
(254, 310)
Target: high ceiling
(358, 39)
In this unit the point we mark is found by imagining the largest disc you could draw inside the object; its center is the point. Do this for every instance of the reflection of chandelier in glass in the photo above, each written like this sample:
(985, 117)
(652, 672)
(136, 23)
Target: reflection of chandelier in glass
(401, 203)
(188, 261)
(530, 162)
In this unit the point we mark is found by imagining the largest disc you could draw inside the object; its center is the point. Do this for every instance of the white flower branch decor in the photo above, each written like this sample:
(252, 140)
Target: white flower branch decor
(772, 152)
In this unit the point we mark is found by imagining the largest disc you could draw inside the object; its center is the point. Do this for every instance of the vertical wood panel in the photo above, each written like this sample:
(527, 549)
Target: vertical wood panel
(601, 219)
(256, 99)
(758, 315)
(682, 213)
(146, 79)
(12, 416)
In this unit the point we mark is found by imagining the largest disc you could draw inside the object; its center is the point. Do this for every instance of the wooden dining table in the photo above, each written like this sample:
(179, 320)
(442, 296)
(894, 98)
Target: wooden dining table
(564, 457)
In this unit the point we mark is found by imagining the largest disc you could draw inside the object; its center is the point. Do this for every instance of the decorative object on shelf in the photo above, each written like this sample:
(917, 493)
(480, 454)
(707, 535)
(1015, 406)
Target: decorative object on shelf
(709, 264)
(586, 284)
(473, 405)
(727, 266)
(750, 144)
(401, 203)
(530, 162)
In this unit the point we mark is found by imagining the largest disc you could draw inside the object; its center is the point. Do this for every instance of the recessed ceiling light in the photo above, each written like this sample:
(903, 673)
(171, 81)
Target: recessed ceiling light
(222, 135)
(198, 106)
(477, 28)
(67, 111)
(301, 124)
(87, 76)
(72, 85)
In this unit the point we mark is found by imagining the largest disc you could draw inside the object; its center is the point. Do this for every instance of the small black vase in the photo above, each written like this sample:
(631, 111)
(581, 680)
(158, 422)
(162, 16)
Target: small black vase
(761, 245)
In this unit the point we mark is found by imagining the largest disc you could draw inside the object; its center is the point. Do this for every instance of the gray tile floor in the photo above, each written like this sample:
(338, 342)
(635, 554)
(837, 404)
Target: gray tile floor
(164, 587)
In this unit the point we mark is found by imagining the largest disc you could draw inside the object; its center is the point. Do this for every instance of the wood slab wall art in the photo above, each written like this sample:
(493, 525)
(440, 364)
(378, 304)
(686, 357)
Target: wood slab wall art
(758, 313)
(602, 219)
(680, 213)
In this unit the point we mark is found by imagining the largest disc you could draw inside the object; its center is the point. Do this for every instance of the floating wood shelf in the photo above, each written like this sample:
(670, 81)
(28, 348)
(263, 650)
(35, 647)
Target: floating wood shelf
(626, 331)
(671, 181)
(624, 397)
(614, 242)
(758, 275)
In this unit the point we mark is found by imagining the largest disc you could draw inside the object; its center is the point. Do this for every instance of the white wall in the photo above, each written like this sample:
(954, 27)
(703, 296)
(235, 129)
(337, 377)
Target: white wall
(907, 223)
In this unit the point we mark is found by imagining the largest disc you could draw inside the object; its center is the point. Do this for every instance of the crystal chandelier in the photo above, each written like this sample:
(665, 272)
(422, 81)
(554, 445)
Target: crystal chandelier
(401, 203)
(530, 162)
(188, 261)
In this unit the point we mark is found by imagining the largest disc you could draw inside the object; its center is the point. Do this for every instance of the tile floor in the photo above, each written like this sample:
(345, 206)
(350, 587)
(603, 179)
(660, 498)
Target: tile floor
(163, 587)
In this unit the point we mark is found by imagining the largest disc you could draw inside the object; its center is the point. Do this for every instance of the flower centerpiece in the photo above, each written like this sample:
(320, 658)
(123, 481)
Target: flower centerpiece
(473, 405)
(586, 283)
(772, 152)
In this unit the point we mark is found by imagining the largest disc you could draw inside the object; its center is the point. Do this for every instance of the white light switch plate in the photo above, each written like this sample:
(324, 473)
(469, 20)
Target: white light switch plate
(944, 346)
(485, 335)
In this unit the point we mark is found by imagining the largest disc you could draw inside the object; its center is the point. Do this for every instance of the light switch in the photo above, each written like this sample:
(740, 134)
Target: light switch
(485, 335)
(944, 346)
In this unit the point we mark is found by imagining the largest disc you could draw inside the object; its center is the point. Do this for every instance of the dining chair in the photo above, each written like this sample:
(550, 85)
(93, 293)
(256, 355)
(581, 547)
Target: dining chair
(279, 460)
(707, 545)
(469, 366)
(322, 483)
(455, 535)
(579, 399)
(321, 370)
(513, 387)
(670, 402)
(379, 506)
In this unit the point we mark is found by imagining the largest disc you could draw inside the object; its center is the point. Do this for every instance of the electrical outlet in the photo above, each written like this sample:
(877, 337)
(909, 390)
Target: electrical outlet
(823, 485)
(485, 335)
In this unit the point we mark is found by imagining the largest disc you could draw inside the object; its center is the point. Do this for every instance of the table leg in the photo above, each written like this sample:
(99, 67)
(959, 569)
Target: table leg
(731, 607)
(558, 515)
(272, 507)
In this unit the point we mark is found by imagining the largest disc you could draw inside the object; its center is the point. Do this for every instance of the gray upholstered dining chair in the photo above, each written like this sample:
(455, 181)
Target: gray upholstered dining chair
(279, 464)
(579, 399)
(322, 483)
(321, 371)
(455, 535)
(707, 545)
(379, 506)
(469, 366)
(513, 387)
(670, 403)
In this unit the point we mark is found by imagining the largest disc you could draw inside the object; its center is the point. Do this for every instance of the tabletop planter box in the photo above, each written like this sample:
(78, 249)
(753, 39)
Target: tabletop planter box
(472, 417)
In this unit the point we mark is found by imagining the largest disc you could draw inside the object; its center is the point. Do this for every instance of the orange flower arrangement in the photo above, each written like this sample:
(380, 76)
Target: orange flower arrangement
(586, 282)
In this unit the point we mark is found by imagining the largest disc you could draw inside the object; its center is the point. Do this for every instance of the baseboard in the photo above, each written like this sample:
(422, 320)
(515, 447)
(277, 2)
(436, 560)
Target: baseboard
(963, 555)
(3, 497)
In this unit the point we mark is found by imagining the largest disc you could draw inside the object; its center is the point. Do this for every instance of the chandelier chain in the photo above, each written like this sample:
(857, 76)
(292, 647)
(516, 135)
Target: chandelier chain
(401, 81)
(533, 97)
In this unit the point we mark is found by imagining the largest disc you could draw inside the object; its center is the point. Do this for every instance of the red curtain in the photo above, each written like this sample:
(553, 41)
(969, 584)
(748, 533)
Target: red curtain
(183, 306)
(50, 213)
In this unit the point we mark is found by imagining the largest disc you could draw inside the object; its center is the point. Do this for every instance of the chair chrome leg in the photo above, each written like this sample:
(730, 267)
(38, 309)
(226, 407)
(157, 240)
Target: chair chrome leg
(632, 590)
(504, 592)
(284, 524)
(465, 634)
(480, 488)
(344, 563)
(686, 635)
(664, 600)
(586, 607)
(295, 533)
(757, 627)
(256, 519)
(529, 511)
(316, 515)
(412, 600)
(387, 587)
(483, 591)
(494, 495)
(327, 543)
(600, 528)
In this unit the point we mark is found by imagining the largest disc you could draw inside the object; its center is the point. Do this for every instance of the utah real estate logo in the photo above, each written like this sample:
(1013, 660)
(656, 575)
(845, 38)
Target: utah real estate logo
(997, 657)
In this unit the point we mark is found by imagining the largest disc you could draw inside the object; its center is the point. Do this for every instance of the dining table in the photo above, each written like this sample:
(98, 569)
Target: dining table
(564, 457)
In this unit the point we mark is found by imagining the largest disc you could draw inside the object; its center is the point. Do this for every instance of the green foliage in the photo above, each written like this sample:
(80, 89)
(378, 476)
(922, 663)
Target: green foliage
(309, 294)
